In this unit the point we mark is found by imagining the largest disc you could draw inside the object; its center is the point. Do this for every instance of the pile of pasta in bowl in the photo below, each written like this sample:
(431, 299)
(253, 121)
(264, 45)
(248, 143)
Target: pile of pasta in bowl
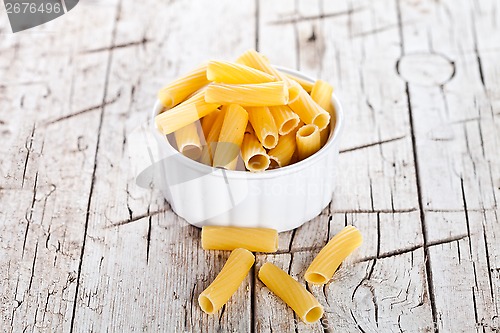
(245, 115)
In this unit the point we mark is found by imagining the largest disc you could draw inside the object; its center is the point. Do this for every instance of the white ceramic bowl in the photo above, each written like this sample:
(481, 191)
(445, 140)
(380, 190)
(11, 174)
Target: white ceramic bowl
(281, 199)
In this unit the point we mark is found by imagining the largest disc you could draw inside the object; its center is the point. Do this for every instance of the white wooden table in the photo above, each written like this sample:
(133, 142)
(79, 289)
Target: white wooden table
(84, 250)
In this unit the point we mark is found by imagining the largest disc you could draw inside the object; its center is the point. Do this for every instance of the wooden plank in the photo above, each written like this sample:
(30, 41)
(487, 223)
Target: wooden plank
(455, 132)
(47, 165)
(131, 230)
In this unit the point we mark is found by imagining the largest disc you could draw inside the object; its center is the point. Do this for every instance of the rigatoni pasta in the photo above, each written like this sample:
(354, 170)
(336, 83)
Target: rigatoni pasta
(253, 154)
(308, 110)
(305, 305)
(264, 126)
(282, 154)
(230, 238)
(276, 104)
(185, 113)
(286, 120)
(308, 141)
(331, 256)
(188, 141)
(321, 93)
(208, 121)
(231, 137)
(306, 85)
(179, 89)
(227, 281)
(228, 72)
(211, 139)
(260, 94)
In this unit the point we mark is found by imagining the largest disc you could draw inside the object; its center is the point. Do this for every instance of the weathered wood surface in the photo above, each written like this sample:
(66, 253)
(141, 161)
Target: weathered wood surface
(84, 250)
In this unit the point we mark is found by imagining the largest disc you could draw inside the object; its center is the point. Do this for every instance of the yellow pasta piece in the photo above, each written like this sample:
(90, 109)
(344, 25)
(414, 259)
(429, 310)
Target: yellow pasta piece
(227, 72)
(256, 60)
(208, 121)
(261, 94)
(281, 155)
(231, 137)
(321, 93)
(185, 113)
(188, 141)
(227, 281)
(264, 126)
(331, 256)
(212, 138)
(323, 135)
(308, 110)
(230, 238)
(286, 120)
(306, 85)
(308, 141)
(291, 292)
(178, 90)
(253, 154)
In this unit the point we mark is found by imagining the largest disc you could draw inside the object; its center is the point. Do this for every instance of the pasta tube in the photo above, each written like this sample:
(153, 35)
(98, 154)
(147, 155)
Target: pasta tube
(329, 258)
(253, 154)
(188, 141)
(256, 60)
(230, 238)
(306, 85)
(208, 121)
(324, 135)
(185, 113)
(231, 137)
(264, 126)
(227, 281)
(211, 139)
(321, 93)
(178, 90)
(291, 292)
(286, 120)
(261, 94)
(308, 141)
(308, 110)
(282, 154)
(227, 72)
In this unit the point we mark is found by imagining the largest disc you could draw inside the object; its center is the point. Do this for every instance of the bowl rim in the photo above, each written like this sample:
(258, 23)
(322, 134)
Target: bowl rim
(235, 174)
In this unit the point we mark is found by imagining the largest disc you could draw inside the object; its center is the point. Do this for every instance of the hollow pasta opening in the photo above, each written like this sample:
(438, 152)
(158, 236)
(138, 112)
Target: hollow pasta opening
(289, 125)
(206, 304)
(191, 151)
(270, 141)
(306, 130)
(273, 163)
(258, 162)
(321, 120)
(316, 278)
(314, 314)
(166, 99)
(293, 93)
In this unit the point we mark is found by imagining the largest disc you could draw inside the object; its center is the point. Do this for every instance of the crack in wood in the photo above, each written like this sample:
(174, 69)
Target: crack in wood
(428, 267)
(28, 151)
(101, 118)
(142, 42)
(368, 145)
(316, 17)
(86, 110)
(29, 219)
(137, 218)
